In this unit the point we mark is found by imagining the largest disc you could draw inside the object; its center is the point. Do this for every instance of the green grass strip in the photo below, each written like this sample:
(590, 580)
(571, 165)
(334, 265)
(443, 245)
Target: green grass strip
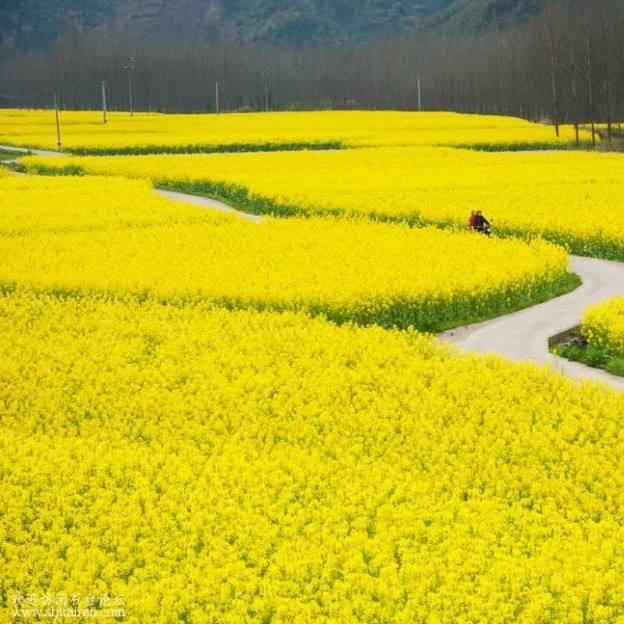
(526, 147)
(579, 350)
(208, 149)
(10, 155)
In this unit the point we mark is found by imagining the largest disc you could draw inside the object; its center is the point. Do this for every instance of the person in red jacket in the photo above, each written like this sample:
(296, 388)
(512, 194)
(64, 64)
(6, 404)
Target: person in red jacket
(471, 220)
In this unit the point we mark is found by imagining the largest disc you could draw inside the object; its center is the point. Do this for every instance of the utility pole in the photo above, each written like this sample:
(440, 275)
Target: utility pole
(129, 66)
(419, 98)
(104, 112)
(217, 96)
(58, 122)
(266, 72)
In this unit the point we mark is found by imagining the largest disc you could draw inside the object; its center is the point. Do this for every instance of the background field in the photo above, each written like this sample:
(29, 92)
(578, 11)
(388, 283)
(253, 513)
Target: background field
(85, 132)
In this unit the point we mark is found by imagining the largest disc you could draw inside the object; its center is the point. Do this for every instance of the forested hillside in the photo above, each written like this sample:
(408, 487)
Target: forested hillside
(34, 24)
(467, 17)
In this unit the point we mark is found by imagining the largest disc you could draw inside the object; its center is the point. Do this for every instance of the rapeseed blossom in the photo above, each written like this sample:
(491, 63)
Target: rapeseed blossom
(230, 466)
(603, 325)
(568, 197)
(211, 464)
(39, 204)
(153, 132)
(63, 234)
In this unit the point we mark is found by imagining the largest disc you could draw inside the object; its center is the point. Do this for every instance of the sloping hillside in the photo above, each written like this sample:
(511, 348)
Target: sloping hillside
(473, 16)
(28, 24)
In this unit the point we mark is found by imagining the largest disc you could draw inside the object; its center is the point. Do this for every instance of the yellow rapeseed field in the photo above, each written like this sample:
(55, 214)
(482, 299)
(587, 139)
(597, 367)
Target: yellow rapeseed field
(603, 325)
(152, 132)
(34, 203)
(184, 438)
(64, 234)
(568, 197)
(201, 465)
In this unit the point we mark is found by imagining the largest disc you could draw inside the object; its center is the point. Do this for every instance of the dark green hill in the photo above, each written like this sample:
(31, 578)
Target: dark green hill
(475, 16)
(33, 24)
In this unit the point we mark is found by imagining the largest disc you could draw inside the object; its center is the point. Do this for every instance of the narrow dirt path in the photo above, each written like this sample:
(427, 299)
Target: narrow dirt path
(524, 335)
(205, 202)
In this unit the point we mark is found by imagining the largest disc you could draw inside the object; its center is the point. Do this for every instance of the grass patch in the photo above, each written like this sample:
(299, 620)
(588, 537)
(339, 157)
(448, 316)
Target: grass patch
(573, 345)
(7, 160)
(207, 149)
(526, 147)
(238, 197)
(64, 170)
(6, 155)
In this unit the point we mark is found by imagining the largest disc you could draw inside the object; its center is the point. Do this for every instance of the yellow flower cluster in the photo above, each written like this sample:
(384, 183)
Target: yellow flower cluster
(33, 203)
(603, 325)
(85, 131)
(568, 197)
(214, 466)
(71, 237)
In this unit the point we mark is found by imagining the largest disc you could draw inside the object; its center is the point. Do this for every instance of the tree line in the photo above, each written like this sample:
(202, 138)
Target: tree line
(566, 66)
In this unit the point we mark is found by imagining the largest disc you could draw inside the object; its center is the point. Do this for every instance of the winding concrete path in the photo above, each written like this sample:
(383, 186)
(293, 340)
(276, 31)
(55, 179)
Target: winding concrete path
(25, 150)
(206, 202)
(523, 335)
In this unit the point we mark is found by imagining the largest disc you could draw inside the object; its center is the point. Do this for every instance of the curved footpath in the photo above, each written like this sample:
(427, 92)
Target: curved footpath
(206, 202)
(23, 150)
(524, 335)
(520, 336)
(202, 202)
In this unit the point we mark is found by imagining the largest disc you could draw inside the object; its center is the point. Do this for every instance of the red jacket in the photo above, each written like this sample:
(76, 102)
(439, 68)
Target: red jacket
(471, 221)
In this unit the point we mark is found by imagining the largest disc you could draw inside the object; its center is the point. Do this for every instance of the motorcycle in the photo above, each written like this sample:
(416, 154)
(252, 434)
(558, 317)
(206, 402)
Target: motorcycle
(486, 229)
